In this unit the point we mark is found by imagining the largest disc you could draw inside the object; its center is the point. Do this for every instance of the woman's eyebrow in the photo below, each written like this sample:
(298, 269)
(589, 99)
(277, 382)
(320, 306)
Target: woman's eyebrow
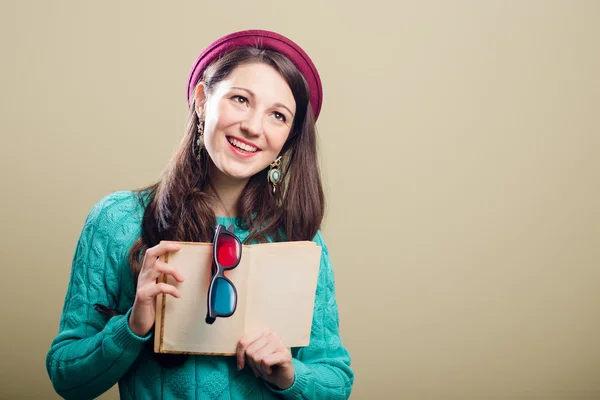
(251, 93)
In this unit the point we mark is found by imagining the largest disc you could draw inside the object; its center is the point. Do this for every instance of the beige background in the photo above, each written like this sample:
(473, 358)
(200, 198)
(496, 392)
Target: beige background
(460, 143)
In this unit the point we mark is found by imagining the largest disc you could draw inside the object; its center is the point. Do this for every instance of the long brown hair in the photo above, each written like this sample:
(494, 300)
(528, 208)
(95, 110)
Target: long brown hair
(180, 205)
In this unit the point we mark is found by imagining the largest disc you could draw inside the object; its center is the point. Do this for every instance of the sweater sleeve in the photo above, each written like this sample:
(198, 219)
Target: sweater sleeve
(91, 351)
(322, 369)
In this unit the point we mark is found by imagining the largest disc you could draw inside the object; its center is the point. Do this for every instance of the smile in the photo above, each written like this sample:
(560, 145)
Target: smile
(241, 145)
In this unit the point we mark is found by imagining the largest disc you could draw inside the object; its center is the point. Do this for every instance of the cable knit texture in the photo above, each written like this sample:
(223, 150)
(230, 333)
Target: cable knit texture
(92, 351)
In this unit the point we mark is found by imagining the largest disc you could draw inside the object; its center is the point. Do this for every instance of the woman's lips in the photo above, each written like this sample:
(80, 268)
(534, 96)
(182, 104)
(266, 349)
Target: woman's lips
(242, 144)
(239, 152)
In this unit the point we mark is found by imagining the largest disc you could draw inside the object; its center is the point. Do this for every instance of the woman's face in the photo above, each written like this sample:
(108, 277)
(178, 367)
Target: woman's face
(248, 118)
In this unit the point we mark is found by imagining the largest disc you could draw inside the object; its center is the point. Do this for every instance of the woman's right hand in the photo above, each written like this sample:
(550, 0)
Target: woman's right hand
(143, 314)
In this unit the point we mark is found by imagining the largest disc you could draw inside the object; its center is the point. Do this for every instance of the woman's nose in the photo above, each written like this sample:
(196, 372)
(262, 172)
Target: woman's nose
(252, 124)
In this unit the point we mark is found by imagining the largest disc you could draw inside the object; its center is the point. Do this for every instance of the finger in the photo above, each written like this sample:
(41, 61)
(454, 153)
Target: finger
(258, 357)
(155, 290)
(164, 268)
(272, 360)
(257, 346)
(154, 252)
(243, 344)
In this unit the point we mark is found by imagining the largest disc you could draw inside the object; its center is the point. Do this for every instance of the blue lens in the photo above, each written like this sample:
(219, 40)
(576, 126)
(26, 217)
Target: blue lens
(223, 297)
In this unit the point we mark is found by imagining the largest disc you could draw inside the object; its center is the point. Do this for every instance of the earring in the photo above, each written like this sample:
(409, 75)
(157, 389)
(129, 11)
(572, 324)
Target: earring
(199, 142)
(274, 173)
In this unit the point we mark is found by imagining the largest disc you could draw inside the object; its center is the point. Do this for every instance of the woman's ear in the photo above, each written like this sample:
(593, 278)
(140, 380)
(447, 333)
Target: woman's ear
(199, 99)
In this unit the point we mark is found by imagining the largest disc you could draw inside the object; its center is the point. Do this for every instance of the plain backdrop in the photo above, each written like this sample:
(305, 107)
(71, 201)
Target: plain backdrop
(459, 141)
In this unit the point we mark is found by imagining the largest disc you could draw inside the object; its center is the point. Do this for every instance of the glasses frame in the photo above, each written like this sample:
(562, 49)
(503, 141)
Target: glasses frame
(218, 272)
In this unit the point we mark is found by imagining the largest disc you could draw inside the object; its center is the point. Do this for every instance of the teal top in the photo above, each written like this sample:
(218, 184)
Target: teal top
(92, 351)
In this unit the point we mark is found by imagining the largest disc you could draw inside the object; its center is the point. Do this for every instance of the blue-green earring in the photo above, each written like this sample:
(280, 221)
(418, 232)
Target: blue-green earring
(274, 175)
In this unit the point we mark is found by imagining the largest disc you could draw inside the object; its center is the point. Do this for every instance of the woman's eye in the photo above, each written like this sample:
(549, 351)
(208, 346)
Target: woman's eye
(279, 116)
(240, 99)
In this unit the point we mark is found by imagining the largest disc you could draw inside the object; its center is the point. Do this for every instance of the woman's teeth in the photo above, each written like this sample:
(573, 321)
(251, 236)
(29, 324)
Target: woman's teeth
(241, 145)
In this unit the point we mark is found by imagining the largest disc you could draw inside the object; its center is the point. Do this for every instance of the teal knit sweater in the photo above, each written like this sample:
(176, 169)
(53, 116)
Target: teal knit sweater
(92, 351)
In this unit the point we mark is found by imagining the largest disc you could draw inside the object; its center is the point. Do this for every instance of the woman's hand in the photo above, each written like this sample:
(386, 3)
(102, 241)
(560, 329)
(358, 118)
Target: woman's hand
(268, 357)
(143, 314)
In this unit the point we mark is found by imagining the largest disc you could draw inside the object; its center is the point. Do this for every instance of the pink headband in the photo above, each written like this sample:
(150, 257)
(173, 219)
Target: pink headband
(265, 40)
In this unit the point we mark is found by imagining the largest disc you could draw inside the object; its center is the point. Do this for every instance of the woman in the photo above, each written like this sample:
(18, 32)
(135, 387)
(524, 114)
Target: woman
(248, 159)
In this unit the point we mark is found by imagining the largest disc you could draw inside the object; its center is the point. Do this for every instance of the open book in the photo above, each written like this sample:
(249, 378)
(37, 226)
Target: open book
(276, 286)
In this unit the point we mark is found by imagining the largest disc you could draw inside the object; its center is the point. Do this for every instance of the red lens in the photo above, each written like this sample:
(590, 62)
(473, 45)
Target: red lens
(228, 251)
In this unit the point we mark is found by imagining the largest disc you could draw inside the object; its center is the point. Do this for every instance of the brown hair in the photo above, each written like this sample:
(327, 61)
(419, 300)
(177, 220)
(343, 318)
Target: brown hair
(181, 203)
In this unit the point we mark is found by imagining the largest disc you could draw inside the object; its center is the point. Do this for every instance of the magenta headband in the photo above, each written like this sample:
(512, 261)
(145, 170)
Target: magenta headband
(264, 40)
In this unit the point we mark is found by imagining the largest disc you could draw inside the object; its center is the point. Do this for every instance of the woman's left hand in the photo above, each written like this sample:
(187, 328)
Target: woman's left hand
(268, 357)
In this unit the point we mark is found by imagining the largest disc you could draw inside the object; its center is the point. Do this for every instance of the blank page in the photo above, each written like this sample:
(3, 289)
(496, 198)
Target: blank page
(185, 329)
(282, 287)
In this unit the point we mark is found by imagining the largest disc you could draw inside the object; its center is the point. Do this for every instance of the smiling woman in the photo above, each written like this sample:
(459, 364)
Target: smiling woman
(248, 159)
(248, 119)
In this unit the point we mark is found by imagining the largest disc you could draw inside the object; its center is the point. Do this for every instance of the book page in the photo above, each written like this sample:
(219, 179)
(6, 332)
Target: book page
(281, 289)
(184, 326)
